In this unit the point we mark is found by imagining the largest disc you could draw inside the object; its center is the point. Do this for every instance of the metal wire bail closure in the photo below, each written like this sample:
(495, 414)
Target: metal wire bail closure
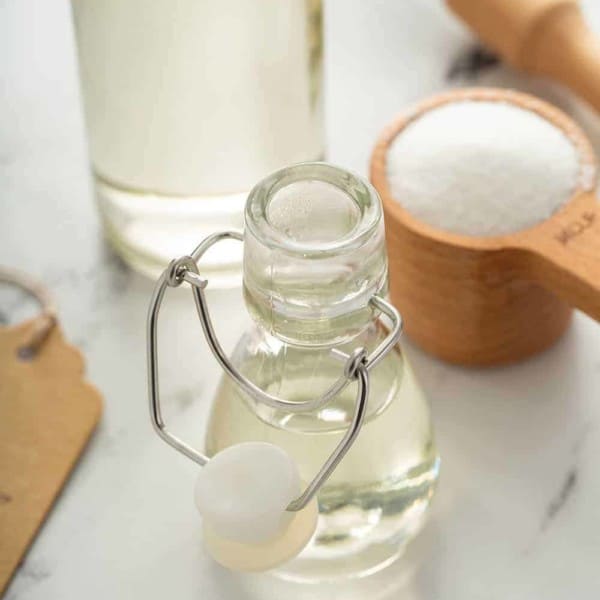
(357, 365)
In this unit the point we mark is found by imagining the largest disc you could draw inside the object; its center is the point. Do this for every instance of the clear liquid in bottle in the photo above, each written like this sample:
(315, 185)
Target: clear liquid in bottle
(376, 499)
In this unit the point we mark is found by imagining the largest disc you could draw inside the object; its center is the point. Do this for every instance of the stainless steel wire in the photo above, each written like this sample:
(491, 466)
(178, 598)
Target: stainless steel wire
(357, 365)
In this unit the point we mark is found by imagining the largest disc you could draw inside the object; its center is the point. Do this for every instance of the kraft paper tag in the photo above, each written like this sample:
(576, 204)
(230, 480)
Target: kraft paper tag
(47, 414)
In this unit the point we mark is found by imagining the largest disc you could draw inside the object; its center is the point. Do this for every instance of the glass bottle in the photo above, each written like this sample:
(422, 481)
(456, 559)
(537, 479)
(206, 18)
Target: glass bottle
(314, 254)
(187, 105)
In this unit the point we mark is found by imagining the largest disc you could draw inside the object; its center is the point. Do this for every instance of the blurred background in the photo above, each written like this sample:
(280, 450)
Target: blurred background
(516, 515)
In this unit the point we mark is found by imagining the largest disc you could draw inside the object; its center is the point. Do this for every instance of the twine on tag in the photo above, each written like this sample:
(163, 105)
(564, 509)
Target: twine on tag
(44, 322)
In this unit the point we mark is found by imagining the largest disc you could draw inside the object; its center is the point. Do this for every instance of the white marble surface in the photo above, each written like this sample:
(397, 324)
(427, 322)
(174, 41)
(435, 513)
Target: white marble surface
(517, 515)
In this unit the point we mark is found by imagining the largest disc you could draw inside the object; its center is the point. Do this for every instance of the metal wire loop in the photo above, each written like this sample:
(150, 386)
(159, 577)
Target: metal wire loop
(357, 365)
(178, 268)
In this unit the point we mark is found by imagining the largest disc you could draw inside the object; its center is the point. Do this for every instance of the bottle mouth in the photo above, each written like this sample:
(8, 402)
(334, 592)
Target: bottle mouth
(314, 254)
(311, 209)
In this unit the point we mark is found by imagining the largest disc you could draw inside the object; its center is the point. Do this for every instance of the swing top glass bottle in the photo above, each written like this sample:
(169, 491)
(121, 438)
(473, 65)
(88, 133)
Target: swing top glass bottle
(314, 255)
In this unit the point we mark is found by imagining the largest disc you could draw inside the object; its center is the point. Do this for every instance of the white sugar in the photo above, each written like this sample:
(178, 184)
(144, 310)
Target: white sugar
(482, 168)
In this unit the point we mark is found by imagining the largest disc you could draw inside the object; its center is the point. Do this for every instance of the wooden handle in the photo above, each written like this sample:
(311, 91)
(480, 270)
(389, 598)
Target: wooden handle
(545, 37)
(564, 48)
(563, 254)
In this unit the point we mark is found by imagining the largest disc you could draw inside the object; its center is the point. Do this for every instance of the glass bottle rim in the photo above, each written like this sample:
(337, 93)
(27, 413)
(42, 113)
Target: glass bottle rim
(360, 191)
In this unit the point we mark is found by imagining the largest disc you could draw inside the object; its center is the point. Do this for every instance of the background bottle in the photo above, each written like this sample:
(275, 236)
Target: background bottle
(188, 103)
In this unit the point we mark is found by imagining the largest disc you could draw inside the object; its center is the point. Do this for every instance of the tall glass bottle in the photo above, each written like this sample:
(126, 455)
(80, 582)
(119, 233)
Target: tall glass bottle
(188, 103)
(314, 254)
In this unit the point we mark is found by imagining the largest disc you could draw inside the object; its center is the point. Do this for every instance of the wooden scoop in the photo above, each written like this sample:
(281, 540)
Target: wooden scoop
(487, 300)
(545, 37)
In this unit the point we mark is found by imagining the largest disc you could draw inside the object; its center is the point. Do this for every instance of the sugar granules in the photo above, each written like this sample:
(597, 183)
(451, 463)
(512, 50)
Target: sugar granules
(482, 168)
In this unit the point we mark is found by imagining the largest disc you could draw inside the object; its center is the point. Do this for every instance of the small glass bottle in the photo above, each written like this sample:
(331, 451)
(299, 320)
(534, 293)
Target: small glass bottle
(314, 255)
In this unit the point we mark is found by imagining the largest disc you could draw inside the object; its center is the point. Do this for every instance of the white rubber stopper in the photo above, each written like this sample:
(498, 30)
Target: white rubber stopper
(238, 556)
(243, 491)
(242, 494)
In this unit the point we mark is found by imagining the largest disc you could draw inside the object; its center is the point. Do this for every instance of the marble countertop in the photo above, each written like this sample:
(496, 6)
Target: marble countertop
(517, 514)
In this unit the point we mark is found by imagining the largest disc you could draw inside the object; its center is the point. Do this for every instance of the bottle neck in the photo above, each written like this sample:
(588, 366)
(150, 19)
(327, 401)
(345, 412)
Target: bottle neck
(314, 254)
